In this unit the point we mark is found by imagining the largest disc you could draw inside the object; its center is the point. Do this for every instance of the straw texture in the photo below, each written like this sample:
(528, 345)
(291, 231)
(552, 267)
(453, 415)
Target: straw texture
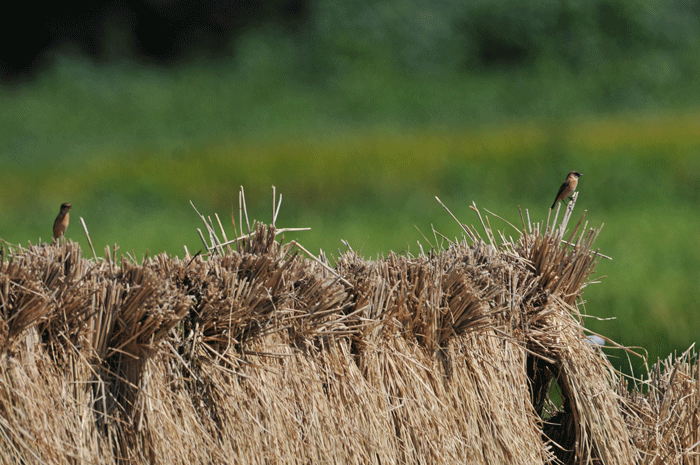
(254, 352)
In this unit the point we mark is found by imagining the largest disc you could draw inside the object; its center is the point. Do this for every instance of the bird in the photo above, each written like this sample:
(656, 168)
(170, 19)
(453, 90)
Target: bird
(61, 223)
(568, 188)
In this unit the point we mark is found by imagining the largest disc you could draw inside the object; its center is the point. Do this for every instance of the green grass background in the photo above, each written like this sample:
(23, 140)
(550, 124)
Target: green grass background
(362, 159)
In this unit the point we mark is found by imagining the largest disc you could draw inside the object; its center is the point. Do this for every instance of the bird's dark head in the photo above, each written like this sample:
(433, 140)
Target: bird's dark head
(65, 207)
(575, 173)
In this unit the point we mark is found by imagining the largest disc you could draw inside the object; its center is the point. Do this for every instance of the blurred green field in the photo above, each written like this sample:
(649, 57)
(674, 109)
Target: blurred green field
(130, 147)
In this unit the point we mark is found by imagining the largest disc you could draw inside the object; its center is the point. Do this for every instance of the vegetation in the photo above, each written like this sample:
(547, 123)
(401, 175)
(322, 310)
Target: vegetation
(374, 187)
(363, 114)
(261, 354)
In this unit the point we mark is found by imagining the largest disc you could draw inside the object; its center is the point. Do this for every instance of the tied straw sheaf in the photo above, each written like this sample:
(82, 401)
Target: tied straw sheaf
(256, 351)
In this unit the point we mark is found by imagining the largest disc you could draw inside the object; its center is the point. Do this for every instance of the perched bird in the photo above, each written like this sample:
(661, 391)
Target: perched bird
(61, 223)
(568, 188)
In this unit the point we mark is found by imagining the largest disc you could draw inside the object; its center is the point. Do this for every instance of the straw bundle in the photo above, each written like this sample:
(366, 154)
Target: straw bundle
(665, 420)
(257, 354)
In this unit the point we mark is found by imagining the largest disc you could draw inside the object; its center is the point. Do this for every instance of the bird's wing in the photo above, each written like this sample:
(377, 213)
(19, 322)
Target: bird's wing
(562, 188)
(561, 191)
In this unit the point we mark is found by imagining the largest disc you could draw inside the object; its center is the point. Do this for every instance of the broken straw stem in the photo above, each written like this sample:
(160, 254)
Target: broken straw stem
(88, 236)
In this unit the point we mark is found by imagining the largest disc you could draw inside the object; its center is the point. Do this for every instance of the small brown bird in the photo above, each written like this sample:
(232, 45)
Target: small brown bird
(61, 223)
(568, 188)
